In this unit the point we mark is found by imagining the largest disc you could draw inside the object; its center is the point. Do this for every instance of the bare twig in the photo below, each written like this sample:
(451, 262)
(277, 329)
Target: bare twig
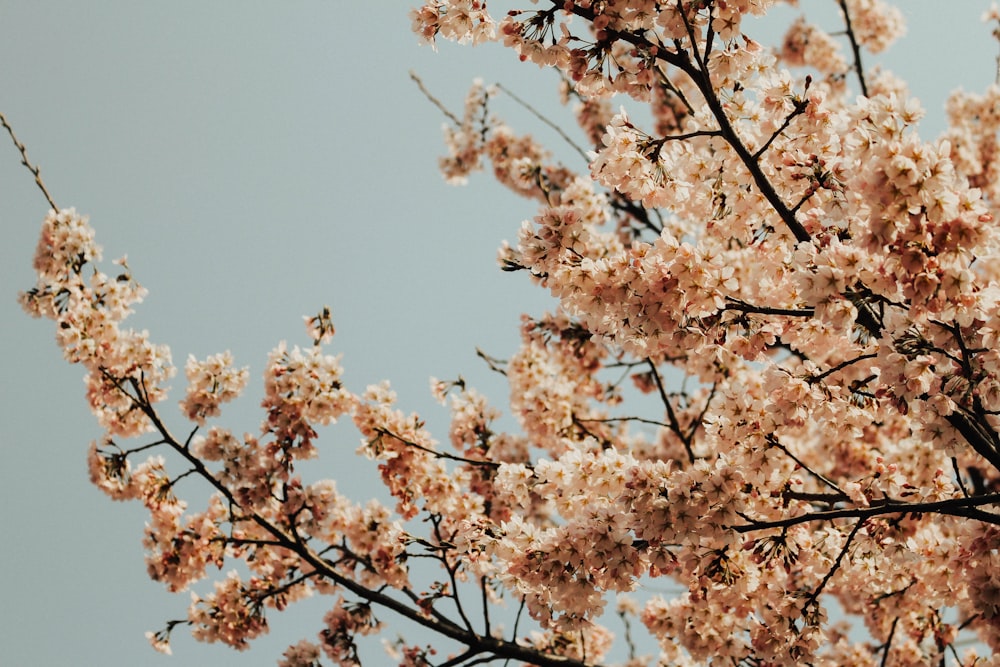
(27, 163)
(493, 363)
(798, 109)
(437, 454)
(433, 100)
(539, 116)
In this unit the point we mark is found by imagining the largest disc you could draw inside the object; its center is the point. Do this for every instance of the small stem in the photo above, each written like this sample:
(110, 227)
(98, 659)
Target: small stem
(958, 477)
(612, 420)
(486, 607)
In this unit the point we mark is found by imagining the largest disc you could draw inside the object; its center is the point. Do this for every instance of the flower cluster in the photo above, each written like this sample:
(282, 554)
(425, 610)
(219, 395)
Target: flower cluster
(210, 383)
(124, 368)
(462, 21)
(302, 389)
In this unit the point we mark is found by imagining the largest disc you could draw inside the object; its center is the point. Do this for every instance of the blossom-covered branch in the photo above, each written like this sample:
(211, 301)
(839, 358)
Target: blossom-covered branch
(807, 291)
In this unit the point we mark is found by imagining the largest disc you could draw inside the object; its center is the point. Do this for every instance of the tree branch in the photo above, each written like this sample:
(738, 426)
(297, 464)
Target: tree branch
(480, 644)
(855, 47)
(964, 507)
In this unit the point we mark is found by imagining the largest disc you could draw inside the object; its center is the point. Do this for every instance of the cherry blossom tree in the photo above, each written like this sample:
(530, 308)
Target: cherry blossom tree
(773, 377)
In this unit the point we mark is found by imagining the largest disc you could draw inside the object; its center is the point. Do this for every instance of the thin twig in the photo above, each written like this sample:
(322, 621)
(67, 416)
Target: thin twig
(436, 521)
(675, 425)
(545, 120)
(437, 454)
(486, 607)
(433, 100)
(798, 109)
(27, 163)
(629, 642)
(697, 423)
(841, 366)
(493, 363)
(774, 442)
(459, 659)
(612, 420)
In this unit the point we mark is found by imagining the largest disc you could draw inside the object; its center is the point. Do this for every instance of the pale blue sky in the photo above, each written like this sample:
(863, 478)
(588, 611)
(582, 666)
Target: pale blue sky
(257, 160)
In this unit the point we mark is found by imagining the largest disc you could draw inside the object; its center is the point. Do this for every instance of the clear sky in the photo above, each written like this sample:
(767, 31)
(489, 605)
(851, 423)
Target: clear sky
(257, 160)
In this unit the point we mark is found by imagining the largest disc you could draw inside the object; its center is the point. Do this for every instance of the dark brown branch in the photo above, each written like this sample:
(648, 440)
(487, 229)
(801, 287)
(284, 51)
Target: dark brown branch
(492, 363)
(612, 420)
(688, 135)
(699, 75)
(136, 450)
(486, 606)
(855, 48)
(701, 415)
(976, 436)
(743, 306)
(620, 202)
(436, 521)
(798, 109)
(842, 365)
(819, 498)
(964, 507)
(888, 642)
(958, 477)
(629, 641)
(459, 659)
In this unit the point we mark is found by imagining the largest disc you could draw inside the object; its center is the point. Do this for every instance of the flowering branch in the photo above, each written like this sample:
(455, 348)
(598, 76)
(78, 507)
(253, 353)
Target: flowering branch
(498, 648)
(873, 369)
